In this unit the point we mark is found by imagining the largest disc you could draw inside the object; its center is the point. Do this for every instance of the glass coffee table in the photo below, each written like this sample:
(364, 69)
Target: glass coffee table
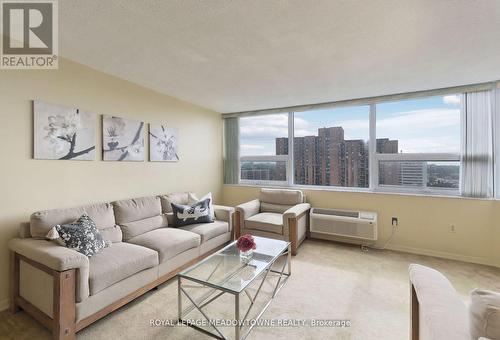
(225, 273)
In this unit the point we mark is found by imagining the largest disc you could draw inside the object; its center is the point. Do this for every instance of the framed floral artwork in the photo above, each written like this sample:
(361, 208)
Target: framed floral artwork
(63, 133)
(122, 139)
(163, 143)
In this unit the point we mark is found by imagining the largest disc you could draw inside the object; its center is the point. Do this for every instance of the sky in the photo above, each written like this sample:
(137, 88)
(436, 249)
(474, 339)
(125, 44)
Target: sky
(429, 124)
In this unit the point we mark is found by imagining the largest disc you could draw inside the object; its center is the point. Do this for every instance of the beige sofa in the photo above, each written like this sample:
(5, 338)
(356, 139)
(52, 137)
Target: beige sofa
(277, 213)
(67, 291)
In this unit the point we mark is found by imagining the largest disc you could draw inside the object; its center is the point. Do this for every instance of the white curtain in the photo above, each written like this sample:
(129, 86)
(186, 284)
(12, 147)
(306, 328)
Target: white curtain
(231, 150)
(477, 144)
(496, 144)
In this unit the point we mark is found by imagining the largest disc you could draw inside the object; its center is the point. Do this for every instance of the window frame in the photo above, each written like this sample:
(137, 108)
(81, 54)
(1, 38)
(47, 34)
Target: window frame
(374, 158)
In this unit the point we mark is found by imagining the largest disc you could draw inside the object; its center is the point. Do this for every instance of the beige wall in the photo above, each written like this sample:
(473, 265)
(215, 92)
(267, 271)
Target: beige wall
(28, 185)
(424, 222)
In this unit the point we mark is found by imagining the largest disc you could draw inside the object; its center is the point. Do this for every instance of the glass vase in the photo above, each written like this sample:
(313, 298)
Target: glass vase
(246, 256)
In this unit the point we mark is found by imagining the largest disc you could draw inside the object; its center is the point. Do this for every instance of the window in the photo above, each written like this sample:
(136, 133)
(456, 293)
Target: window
(418, 144)
(263, 150)
(438, 144)
(331, 147)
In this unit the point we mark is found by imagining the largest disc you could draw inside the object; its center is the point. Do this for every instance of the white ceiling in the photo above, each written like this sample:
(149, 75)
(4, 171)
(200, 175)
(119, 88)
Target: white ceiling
(238, 55)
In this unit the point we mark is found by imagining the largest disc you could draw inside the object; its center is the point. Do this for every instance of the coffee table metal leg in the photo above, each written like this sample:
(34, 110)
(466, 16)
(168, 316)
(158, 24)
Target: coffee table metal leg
(179, 298)
(289, 259)
(237, 316)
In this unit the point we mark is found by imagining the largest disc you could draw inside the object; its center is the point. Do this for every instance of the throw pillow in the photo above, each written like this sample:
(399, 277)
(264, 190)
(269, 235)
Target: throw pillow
(191, 214)
(81, 235)
(484, 313)
(192, 199)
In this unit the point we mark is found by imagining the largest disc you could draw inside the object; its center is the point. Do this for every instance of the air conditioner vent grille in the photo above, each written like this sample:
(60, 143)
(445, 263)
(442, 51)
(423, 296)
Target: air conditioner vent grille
(360, 226)
(354, 214)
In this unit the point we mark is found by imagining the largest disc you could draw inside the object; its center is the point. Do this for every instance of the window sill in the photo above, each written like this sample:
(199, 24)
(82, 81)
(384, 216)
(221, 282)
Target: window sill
(361, 191)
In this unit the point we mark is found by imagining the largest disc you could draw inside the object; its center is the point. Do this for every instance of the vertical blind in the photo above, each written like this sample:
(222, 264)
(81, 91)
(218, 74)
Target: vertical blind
(477, 145)
(231, 150)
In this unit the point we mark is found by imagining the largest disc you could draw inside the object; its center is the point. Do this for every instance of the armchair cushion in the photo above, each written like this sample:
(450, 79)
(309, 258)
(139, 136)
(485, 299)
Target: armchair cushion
(275, 208)
(270, 222)
(281, 196)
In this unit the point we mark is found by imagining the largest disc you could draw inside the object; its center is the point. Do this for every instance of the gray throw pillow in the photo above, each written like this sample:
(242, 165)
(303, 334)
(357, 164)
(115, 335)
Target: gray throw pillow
(81, 235)
(191, 214)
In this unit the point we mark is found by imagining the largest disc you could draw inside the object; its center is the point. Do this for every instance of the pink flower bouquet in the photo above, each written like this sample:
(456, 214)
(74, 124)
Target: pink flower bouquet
(246, 243)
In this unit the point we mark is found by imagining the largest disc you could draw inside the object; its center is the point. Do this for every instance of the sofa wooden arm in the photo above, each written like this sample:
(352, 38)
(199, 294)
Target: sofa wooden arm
(53, 256)
(63, 320)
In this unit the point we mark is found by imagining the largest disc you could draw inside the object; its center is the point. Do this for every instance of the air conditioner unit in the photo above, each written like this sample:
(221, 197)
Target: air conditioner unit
(343, 225)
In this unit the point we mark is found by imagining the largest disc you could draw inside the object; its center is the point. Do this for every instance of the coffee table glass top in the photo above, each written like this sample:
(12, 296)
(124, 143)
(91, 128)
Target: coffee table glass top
(225, 270)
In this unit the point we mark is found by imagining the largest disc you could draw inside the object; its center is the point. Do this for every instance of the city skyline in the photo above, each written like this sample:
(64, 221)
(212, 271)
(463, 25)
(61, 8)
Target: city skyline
(420, 125)
(328, 159)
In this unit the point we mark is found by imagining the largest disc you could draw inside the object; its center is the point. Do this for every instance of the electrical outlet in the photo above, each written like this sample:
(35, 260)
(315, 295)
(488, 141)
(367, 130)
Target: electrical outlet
(394, 222)
(452, 228)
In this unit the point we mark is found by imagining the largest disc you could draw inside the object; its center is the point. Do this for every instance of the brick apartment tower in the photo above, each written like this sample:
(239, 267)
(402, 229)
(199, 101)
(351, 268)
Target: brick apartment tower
(330, 160)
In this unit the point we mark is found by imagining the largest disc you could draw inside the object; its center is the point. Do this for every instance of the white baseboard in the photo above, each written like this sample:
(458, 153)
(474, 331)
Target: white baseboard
(451, 256)
(4, 304)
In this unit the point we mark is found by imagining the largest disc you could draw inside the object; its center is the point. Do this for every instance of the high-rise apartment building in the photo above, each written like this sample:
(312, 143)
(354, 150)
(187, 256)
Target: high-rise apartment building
(389, 173)
(356, 164)
(328, 159)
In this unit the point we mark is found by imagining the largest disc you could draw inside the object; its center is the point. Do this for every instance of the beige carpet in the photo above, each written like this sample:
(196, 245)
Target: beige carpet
(329, 281)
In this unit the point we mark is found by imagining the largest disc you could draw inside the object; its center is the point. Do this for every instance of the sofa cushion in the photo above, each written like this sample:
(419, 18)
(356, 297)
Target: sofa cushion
(208, 231)
(484, 313)
(281, 196)
(135, 228)
(102, 214)
(174, 197)
(168, 242)
(270, 222)
(118, 262)
(136, 209)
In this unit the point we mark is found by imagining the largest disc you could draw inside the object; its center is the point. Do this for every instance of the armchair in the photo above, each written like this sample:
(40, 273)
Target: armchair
(277, 213)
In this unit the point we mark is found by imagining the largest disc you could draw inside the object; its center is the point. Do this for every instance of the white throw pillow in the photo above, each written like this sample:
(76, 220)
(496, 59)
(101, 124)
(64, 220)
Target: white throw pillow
(484, 313)
(192, 199)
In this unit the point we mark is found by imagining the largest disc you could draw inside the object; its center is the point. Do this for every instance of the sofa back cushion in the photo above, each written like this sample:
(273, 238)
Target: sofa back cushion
(173, 197)
(136, 228)
(102, 214)
(139, 215)
(281, 196)
(136, 209)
